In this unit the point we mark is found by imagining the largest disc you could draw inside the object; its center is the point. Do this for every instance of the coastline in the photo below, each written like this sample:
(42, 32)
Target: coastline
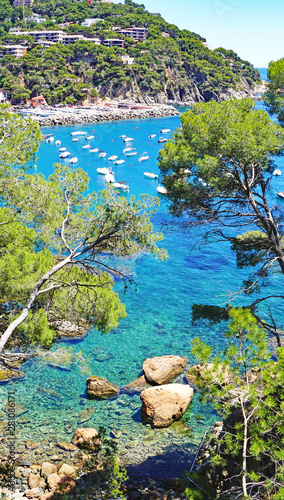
(78, 116)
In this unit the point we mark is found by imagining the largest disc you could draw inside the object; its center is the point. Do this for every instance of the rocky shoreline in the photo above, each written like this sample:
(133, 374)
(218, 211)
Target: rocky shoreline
(92, 115)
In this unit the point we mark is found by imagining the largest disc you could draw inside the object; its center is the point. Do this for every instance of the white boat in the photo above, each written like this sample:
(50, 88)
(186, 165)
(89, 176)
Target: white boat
(75, 139)
(186, 171)
(78, 132)
(161, 190)
(165, 130)
(86, 146)
(94, 150)
(88, 137)
(277, 172)
(102, 154)
(151, 175)
(123, 136)
(104, 170)
(113, 157)
(121, 185)
(132, 152)
(119, 162)
(144, 156)
(201, 181)
(152, 136)
(127, 149)
(280, 194)
(73, 160)
(65, 154)
(109, 177)
(62, 149)
(162, 139)
(50, 139)
(57, 143)
(128, 139)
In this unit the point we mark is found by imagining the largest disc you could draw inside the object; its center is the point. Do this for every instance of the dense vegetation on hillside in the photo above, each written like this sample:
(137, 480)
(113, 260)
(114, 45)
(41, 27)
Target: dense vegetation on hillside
(178, 68)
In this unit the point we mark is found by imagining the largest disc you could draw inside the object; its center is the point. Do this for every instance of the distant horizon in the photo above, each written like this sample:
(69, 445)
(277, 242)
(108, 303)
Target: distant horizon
(253, 29)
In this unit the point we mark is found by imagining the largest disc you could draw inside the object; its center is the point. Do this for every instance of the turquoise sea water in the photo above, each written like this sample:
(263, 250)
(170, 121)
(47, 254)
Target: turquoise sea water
(158, 318)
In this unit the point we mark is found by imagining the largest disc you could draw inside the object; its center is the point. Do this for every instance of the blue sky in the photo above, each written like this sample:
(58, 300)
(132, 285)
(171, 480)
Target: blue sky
(252, 28)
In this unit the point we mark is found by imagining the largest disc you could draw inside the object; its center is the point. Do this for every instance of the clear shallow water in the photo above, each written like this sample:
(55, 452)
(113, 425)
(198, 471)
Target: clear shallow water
(158, 321)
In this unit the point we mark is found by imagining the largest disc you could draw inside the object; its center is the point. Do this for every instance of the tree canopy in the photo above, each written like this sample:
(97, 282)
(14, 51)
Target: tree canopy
(217, 172)
(274, 95)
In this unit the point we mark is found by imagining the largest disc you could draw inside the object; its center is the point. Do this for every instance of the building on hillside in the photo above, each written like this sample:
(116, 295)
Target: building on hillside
(14, 30)
(106, 1)
(38, 101)
(166, 35)
(51, 36)
(127, 59)
(44, 43)
(139, 34)
(12, 50)
(3, 95)
(114, 42)
(89, 22)
(67, 39)
(35, 18)
(23, 3)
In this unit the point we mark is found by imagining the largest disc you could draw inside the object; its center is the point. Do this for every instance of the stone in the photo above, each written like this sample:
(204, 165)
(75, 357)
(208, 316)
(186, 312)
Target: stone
(32, 493)
(164, 404)
(137, 385)
(66, 484)
(86, 414)
(221, 374)
(67, 470)
(66, 446)
(31, 446)
(6, 375)
(163, 369)
(87, 438)
(100, 388)
(33, 480)
(52, 481)
(47, 469)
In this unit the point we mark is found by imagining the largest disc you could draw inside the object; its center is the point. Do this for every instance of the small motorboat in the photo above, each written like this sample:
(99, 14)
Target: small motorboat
(162, 139)
(121, 185)
(102, 154)
(277, 172)
(151, 136)
(128, 139)
(94, 150)
(186, 171)
(78, 132)
(162, 190)
(202, 182)
(62, 149)
(280, 194)
(119, 162)
(131, 152)
(57, 143)
(113, 157)
(144, 156)
(50, 139)
(122, 136)
(105, 171)
(109, 177)
(65, 154)
(75, 139)
(127, 149)
(151, 175)
(73, 160)
(86, 146)
(165, 130)
(88, 137)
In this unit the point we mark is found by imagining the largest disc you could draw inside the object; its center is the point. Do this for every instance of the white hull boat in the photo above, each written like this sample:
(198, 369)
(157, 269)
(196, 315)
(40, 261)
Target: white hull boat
(104, 170)
(152, 136)
(73, 160)
(165, 130)
(281, 194)
(87, 146)
(50, 139)
(89, 137)
(75, 139)
(143, 157)
(162, 139)
(161, 190)
(131, 152)
(109, 177)
(65, 154)
(102, 154)
(78, 132)
(277, 172)
(113, 157)
(94, 150)
(121, 185)
(151, 175)
(62, 149)
(57, 143)
(119, 162)
(128, 139)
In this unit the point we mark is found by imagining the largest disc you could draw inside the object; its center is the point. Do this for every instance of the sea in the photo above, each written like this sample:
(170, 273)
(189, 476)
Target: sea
(158, 322)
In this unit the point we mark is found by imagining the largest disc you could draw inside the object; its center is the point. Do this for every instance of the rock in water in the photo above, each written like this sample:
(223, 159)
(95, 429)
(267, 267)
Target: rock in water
(163, 369)
(86, 438)
(86, 414)
(164, 404)
(15, 408)
(101, 388)
(50, 393)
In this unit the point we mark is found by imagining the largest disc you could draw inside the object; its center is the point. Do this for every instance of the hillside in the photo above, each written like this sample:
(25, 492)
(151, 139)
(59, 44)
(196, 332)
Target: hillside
(170, 65)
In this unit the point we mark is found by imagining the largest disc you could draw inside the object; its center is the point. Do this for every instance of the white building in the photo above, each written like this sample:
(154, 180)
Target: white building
(89, 22)
(139, 34)
(114, 42)
(127, 59)
(12, 50)
(35, 18)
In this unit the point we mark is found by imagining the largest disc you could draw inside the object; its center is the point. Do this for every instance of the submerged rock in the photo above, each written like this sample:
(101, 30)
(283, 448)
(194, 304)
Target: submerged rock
(17, 409)
(164, 404)
(86, 414)
(87, 438)
(163, 369)
(137, 385)
(101, 388)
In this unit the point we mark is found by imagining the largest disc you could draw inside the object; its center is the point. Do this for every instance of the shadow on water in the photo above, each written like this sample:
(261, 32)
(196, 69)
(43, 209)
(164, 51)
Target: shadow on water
(172, 463)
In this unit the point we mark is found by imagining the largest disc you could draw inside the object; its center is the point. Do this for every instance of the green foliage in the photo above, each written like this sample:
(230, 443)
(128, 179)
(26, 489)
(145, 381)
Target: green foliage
(274, 95)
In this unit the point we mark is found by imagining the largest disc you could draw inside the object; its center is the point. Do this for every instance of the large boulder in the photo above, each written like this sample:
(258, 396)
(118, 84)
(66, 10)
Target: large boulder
(163, 369)
(100, 388)
(164, 404)
(87, 438)
(209, 372)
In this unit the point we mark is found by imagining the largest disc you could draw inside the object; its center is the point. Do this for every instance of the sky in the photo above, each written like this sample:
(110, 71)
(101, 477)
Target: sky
(252, 28)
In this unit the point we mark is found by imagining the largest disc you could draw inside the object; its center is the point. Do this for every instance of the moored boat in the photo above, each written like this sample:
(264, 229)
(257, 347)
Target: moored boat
(65, 154)
(152, 136)
(74, 159)
(144, 157)
(119, 162)
(75, 139)
(277, 172)
(78, 132)
(165, 130)
(88, 137)
(161, 190)
(109, 177)
(50, 139)
(57, 143)
(102, 154)
(162, 139)
(113, 157)
(128, 139)
(280, 194)
(94, 150)
(62, 149)
(151, 175)
(131, 152)
(104, 170)
(121, 185)
(86, 146)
